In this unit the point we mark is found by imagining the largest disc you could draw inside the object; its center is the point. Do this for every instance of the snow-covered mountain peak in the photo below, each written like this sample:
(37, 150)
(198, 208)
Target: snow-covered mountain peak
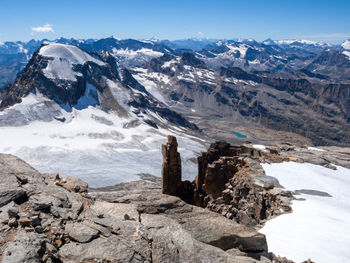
(71, 54)
(74, 79)
(346, 44)
(62, 60)
(269, 41)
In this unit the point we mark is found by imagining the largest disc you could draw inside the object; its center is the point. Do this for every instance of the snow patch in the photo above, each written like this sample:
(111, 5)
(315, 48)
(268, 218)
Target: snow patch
(90, 98)
(130, 52)
(259, 146)
(318, 228)
(60, 69)
(346, 44)
(242, 49)
(347, 53)
(315, 149)
(153, 82)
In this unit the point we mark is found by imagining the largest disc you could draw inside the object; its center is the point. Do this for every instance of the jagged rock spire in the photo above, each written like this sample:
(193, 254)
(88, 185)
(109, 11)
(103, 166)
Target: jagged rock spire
(171, 168)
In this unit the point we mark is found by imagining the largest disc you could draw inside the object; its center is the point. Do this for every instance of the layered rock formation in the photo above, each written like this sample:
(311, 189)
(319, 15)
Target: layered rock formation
(232, 182)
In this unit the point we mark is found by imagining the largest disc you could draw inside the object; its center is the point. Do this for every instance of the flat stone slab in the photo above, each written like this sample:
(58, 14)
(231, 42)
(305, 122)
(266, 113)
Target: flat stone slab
(312, 192)
(80, 232)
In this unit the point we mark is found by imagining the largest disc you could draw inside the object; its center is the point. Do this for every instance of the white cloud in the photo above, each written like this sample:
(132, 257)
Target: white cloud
(47, 28)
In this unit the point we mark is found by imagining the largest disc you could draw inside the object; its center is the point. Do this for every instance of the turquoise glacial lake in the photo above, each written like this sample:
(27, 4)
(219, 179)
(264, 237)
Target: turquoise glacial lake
(239, 135)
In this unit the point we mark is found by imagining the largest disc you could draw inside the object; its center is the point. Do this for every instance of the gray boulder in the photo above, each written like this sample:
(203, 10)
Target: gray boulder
(27, 247)
(80, 232)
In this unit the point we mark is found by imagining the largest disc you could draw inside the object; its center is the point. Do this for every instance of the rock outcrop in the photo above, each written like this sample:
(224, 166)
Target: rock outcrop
(326, 156)
(44, 218)
(171, 168)
(189, 231)
(214, 173)
(231, 182)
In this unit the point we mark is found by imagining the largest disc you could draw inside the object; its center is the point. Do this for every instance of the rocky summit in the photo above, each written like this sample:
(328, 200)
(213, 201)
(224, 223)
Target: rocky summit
(45, 218)
(48, 219)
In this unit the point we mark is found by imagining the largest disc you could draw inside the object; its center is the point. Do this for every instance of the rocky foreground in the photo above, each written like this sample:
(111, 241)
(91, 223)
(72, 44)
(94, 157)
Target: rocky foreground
(44, 218)
(48, 219)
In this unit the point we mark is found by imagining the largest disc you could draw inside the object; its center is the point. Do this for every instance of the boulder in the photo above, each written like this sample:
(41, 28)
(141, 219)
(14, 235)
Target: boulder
(74, 184)
(9, 195)
(27, 247)
(8, 211)
(80, 232)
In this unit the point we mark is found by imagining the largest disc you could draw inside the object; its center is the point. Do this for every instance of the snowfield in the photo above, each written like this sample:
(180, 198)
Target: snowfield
(94, 145)
(347, 53)
(319, 227)
(72, 54)
(151, 86)
(346, 44)
(64, 57)
(132, 58)
(133, 53)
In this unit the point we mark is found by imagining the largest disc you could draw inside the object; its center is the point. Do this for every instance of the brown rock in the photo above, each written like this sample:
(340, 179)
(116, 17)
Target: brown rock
(52, 177)
(58, 243)
(74, 184)
(218, 174)
(171, 168)
(24, 221)
(12, 222)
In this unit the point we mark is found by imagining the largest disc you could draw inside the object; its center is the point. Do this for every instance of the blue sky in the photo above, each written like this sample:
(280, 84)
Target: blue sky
(259, 19)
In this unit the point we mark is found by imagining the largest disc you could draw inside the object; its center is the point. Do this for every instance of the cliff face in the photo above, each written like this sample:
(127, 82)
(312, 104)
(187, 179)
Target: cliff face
(230, 181)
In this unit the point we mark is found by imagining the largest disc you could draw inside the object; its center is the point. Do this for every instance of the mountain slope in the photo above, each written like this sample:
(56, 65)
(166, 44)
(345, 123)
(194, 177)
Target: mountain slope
(333, 63)
(69, 106)
(13, 58)
(129, 52)
(73, 78)
(234, 97)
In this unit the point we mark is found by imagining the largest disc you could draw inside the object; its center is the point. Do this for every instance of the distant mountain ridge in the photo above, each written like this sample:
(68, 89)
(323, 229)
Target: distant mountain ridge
(130, 52)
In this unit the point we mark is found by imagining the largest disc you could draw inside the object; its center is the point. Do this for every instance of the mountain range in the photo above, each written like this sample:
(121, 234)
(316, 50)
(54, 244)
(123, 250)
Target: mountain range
(125, 96)
(101, 110)
(272, 55)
